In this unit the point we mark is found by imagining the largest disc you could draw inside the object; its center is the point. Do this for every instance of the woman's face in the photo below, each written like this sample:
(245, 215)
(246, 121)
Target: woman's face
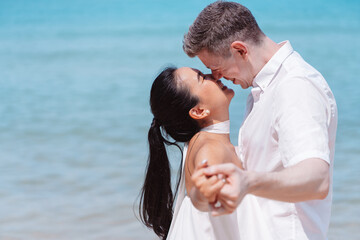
(213, 95)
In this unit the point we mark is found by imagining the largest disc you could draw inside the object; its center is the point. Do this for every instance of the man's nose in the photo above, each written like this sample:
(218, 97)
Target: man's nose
(216, 74)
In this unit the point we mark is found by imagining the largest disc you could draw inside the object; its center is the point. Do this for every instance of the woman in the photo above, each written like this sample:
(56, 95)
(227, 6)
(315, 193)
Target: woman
(194, 109)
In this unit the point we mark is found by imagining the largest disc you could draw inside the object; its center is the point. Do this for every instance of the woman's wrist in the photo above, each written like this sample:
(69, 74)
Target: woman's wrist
(199, 200)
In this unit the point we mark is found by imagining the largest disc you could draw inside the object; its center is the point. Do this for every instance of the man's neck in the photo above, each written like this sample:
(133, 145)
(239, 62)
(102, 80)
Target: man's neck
(264, 53)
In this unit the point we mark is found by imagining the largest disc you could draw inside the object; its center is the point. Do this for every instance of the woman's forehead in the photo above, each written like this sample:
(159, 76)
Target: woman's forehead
(186, 74)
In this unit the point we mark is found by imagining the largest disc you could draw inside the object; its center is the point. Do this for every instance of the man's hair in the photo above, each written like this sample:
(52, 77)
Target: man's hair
(218, 25)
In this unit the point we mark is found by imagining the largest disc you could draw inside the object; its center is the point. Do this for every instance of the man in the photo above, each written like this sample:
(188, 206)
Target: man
(287, 140)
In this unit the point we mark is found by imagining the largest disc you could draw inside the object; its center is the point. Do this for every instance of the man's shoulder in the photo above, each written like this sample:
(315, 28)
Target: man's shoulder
(298, 76)
(297, 68)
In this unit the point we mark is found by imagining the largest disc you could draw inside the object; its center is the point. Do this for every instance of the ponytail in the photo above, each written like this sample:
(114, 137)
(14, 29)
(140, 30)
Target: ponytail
(170, 104)
(156, 202)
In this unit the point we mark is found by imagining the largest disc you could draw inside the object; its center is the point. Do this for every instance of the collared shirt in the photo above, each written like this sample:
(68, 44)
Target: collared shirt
(291, 116)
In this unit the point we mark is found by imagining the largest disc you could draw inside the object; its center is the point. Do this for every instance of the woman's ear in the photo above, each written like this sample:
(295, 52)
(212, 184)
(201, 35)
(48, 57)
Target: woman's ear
(198, 113)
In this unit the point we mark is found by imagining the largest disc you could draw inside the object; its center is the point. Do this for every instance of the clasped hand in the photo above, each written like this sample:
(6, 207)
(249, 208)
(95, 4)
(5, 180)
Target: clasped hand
(222, 186)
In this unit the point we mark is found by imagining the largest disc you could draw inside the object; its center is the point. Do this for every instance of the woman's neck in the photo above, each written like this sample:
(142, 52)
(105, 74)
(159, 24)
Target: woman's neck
(213, 121)
(219, 130)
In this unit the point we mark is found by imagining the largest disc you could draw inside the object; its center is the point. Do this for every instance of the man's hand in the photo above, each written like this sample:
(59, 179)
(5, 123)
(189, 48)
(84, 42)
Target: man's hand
(234, 190)
(307, 180)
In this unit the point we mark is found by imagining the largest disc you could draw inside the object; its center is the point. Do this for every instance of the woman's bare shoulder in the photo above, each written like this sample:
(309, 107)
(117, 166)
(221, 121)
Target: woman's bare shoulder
(215, 152)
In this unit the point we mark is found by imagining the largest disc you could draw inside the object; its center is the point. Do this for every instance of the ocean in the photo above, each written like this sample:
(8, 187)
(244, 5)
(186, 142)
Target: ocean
(75, 77)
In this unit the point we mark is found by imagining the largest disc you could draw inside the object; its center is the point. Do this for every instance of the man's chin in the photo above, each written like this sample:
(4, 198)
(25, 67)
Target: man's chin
(237, 82)
(242, 84)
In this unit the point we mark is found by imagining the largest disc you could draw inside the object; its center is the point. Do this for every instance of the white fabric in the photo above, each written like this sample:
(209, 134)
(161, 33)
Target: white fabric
(291, 116)
(221, 127)
(191, 224)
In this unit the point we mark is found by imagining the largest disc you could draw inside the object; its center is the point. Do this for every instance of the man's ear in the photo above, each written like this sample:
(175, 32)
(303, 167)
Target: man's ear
(198, 113)
(241, 48)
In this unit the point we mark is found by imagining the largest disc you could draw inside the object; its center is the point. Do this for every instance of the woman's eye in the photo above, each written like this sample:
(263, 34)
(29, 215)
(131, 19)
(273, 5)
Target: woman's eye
(208, 77)
(202, 77)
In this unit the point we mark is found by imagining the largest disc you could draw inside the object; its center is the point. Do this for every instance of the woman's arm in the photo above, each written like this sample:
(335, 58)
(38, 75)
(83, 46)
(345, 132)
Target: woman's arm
(205, 188)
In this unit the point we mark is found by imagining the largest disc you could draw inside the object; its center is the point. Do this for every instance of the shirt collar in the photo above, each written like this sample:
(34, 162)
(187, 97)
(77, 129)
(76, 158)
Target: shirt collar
(267, 73)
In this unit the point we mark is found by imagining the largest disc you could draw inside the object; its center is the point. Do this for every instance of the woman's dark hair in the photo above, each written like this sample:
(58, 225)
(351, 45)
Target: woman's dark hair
(170, 103)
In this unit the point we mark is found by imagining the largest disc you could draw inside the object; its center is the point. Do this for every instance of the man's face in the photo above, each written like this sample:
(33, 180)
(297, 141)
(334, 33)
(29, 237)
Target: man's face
(235, 68)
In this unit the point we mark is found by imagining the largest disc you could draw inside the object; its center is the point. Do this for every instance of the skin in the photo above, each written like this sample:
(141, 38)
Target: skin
(210, 93)
(213, 107)
(244, 62)
(307, 180)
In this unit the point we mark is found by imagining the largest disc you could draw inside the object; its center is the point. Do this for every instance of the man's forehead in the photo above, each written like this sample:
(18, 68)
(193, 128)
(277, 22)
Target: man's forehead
(210, 60)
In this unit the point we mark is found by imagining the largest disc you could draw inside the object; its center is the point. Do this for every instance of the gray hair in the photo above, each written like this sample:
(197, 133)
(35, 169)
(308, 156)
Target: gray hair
(218, 25)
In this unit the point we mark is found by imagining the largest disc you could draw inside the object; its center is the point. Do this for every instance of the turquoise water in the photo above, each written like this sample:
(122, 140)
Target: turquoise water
(74, 87)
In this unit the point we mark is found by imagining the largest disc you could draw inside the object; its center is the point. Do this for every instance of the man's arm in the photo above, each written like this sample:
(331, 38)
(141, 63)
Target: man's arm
(307, 180)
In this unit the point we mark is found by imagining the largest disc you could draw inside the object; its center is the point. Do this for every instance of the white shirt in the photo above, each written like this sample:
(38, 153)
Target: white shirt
(291, 116)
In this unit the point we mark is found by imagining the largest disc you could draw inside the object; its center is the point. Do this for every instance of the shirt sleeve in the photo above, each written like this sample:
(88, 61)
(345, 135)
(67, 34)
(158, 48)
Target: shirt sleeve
(301, 121)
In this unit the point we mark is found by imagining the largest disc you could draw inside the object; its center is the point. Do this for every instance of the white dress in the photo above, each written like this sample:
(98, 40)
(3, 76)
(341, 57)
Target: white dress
(189, 223)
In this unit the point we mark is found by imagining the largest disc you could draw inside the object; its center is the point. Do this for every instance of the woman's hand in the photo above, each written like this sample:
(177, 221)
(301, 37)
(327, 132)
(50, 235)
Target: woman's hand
(205, 189)
(235, 189)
